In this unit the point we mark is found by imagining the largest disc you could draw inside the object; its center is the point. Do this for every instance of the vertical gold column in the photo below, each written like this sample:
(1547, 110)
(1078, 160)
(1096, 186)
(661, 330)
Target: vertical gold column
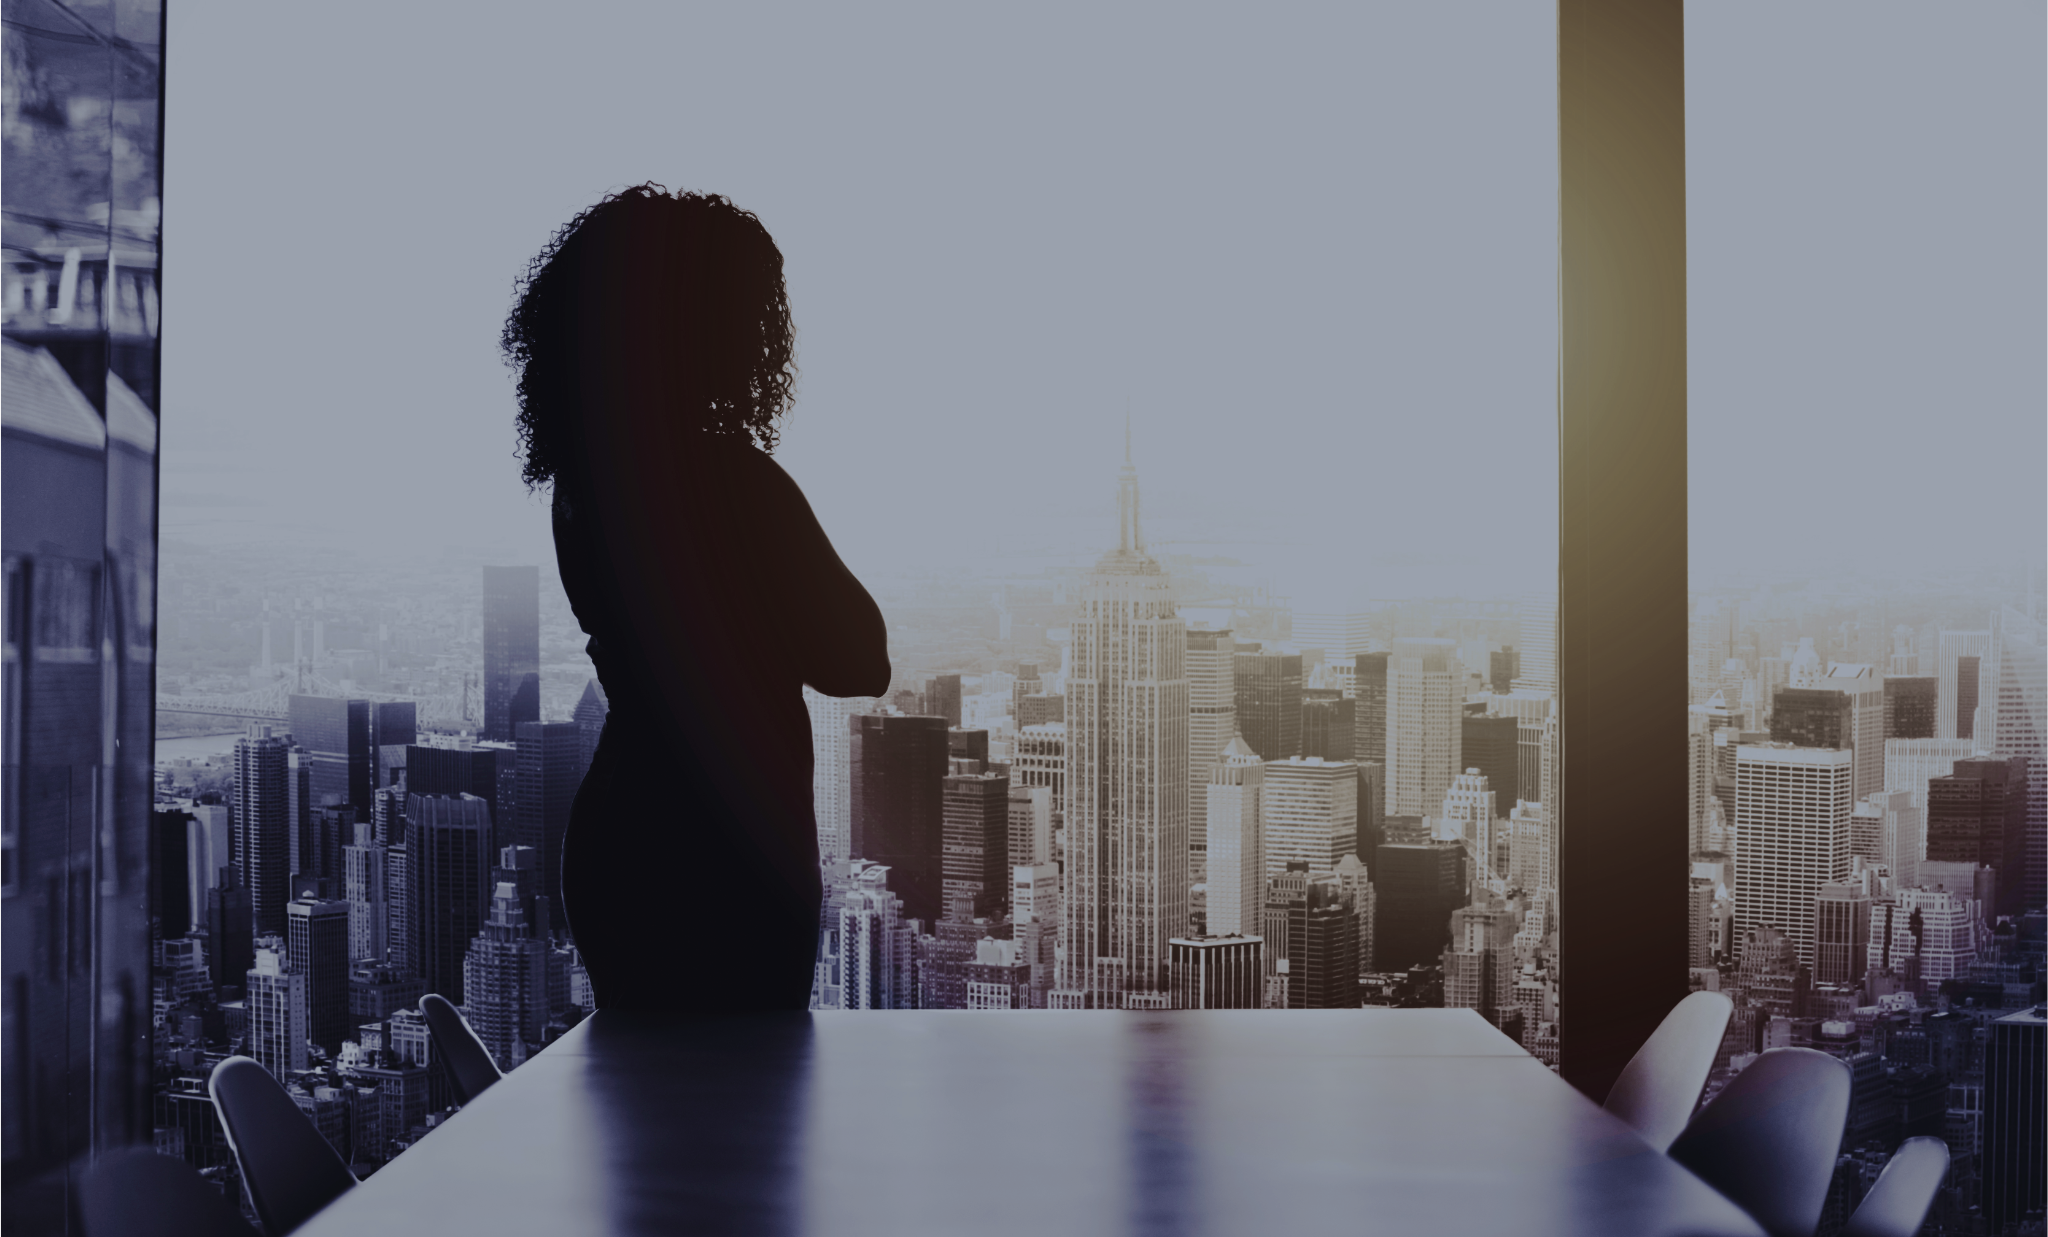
(1621, 527)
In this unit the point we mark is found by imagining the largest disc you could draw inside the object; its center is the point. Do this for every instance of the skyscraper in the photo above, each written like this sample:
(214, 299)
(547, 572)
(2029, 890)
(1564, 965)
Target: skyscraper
(897, 769)
(1958, 662)
(1369, 692)
(1041, 759)
(1323, 952)
(2016, 715)
(262, 821)
(448, 851)
(1910, 706)
(316, 945)
(511, 650)
(975, 838)
(1536, 643)
(1212, 720)
(1978, 815)
(1425, 700)
(1267, 687)
(1841, 933)
(1237, 858)
(1419, 885)
(550, 771)
(486, 771)
(275, 997)
(1491, 743)
(230, 929)
(592, 707)
(335, 736)
(1309, 813)
(1329, 724)
(1217, 972)
(365, 866)
(1846, 709)
(1479, 964)
(505, 971)
(1469, 810)
(942, 697)
(1030, 824)
(1127, 776)
(830, 771)
(2015, 1116)
(1792, 808)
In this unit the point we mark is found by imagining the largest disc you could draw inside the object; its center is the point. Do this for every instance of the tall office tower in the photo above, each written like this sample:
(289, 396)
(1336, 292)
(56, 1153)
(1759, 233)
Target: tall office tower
(511, 650)
(1039, 710)
(448, 851)
(1041, 760)
(1329, 725)
(1978, 815)
(1528, 710)
(1528, 844)
(963, 743)
(975, 837)
(1237, 852)
(1902, 834)
(1491, 743)
(489, 771)
(1792, 810)
(1027, 683)
(1909, 764)
(1351, 874)
(298, 810)
(1030, 824)
(402, 921)
(365, 865)
(206, 853)
(230, 928)
(1699, 922)
(1127, 784)
(1372, 804)
(1958, 664)
(829, 773)
(942, 697)
(170, 891)
(262, 825)
(551, 769)
(394, 726)
(2015, 1129)
(876, 966)
(2016, 715)
(1841, 933)
(897, 771)
(1940, 947)
(1369, 690)
(1910, 706)
(1217, 972)
(1536, 643)
(1479, 963)
(505, 971)
(1035, 923)
(1267, 686)
(1309, 813)
(1699, 785)
(1418, 885)
(1467, 813)
(335, 735)
(1842, 712)
(1866, 832)
(387, 814)
(1552, 786)
(316, 944)
(1323, 947)
(1212, 720)
(1285, 916)
(1501, 668)
(275, 996)
(593, 706)
(1425, 699)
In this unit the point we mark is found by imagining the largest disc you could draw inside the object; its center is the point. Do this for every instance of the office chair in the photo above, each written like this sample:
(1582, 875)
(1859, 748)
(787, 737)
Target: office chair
(1660, 1087)
(1769, 1140)
(1898, 1201)
(287, 1167)
(469, 1063)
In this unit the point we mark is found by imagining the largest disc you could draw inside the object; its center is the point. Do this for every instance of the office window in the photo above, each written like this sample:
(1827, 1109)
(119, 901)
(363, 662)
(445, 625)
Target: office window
(1865, 669)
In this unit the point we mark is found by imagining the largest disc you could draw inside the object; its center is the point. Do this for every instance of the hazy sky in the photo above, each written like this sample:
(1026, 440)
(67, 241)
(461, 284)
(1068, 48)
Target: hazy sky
(1310, 251)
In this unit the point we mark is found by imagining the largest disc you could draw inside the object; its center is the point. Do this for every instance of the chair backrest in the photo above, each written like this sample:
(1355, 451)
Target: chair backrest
(469, 1064)
(287, 1167)
(1769, 1140)
(1899, 1199)
(1661, 1086)
(134, 1192)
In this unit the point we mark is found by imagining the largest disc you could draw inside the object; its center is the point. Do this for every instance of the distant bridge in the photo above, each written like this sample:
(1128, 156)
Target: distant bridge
(272, 703)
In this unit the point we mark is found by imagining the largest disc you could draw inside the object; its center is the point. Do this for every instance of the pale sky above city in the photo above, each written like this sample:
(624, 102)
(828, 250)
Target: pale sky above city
(1310, 252)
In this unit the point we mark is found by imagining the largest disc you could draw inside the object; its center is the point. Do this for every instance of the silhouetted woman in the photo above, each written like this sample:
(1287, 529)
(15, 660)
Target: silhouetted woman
(654, 350)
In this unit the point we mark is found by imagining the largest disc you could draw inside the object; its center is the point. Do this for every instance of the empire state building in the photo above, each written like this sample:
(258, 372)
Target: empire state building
(1126, 873)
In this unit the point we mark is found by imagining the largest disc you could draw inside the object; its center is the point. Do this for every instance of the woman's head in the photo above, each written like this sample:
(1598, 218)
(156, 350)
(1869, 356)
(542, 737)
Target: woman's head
(650, 304)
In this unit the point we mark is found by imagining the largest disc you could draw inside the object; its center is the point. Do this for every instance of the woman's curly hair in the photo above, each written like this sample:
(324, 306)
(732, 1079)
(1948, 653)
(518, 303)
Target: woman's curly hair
(715, 281)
